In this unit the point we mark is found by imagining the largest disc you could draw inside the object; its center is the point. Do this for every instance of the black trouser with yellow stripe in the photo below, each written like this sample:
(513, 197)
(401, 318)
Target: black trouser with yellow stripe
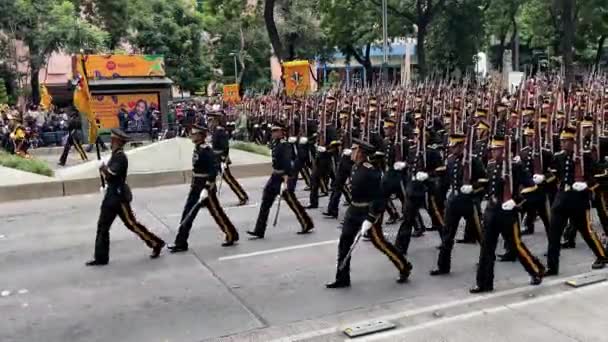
(600, 203)
(495, 222)
(112, 206)
(271, 191)
(321, 172)
(193, 205)
(234, 185)
(537, 203)
(72, 141)
(458, 206)
(353, 220)
(574, 206)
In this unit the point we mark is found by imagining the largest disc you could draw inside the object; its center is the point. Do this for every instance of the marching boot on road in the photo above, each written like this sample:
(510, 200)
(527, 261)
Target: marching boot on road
(117, 202)
(203, 193)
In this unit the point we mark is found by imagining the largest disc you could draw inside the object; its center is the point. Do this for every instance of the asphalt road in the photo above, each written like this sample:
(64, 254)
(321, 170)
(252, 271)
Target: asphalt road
(256, 291)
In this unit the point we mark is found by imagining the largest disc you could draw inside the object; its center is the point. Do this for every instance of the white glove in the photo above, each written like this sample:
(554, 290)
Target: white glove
(103, 189)
(283, 187)
(579, 186)
(204, 195)
(517, 159)
(321, 149)
(256, 126)
(508, 205)
(538, 179)
(366, 226)
(466, 189)
(223, 166)
(399, 166)
(292, 140)
(303, 140)
(347, 152)
(421, 176)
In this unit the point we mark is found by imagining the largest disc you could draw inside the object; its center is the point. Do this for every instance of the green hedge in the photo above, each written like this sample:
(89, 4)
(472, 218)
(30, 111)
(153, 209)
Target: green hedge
(28, 165)
(250, 147)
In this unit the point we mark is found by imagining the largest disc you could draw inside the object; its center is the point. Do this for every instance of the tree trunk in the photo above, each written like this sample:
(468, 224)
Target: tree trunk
(35, 83)
(515, 46)
(420, 50)
(369, 70)
(241, 56)
(568, 39)
(501, 52)
(599, 51)
(271, 27)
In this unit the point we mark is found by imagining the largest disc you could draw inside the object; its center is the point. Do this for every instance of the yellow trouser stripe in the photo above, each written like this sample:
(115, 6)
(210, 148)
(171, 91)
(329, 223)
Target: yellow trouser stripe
(381, 242)
(216, 214)
(132, 224)
(436, 210)
(520, 248)
(597, 242)
(294, 208)
(603, 203)
(234, 185)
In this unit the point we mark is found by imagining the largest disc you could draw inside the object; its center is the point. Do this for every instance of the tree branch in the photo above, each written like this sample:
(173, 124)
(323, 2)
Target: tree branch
(405, 15)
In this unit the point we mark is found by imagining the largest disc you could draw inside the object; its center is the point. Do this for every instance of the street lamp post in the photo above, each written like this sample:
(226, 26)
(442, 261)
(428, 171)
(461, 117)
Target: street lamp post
(236, 74)
(384, 71)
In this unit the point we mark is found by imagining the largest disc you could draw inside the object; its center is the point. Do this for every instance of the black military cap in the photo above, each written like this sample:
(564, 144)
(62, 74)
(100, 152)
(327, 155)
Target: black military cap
(199, 129)
(364, 145)
(498, 141)
(568, 133)
(456, 138)
(277, 125)
(117, 133)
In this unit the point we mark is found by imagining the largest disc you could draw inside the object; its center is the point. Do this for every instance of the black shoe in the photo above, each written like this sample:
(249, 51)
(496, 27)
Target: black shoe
(177, 249)
(310, 206)
(330, 215)
(527, 231)
(366, 237)
(569, 245)
(307, 188)
(550, 272)
(507, 258)
(61, 164)
(255, 235)
(467, 241)
(96, 263)
(437, 272)
(338, 284)
(305, 231)
(243, 202)
(478, 289)
(228, 243)
(599, 264)
(536, 280)
(156, 251)
(392, 220)
(418, 233)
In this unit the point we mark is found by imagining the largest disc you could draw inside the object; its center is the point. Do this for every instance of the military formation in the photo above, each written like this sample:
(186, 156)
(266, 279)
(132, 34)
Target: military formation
(467, 150)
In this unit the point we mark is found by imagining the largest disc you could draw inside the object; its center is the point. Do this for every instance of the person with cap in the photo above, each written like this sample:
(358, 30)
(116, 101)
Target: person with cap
(279, 183)
(461, 200)
(324, 166)
(364, 215)
(572, 202)
(220, 142)
(203, 193)
(501, 217)
(73, 139)
(117, 202)
(395, 153)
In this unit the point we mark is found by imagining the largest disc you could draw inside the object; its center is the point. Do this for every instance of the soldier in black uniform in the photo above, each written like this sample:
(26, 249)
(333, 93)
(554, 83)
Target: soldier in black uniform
(221, 147)
(324, 166)
(501, 217)
(461, 201)
(203, 193)
(281, 182)
(117, 201)
(572, 203)
(73, 139)
(365, 214)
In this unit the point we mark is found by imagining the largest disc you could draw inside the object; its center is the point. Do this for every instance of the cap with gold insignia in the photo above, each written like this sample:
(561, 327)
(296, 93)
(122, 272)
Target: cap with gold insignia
(567, 133)
(117, 133)
(455, 139)
(199, 129)
(481, 113)
(389, 123)
(498, 141)
(364, 145)
(277, 125)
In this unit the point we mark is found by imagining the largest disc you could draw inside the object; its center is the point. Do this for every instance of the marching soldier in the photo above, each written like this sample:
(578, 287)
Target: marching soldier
(324, 166)
(117, 201)
(572, 202)
(501, 217)
(344, 168)
(281, 183)
(365, 215)
(73, 140)
(221, 148)
(203, 193)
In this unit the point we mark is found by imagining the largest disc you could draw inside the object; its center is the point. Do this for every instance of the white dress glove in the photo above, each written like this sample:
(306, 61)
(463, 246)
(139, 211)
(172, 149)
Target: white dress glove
(303, 140)
(579, 186)
(347, 152)
(292, 140)
(365, 227)
(283, 187)
(399, 166)
(538, 179)
(103, 189)
(508, 205)
(204, 194)
(321, 149)
(421, 176)
(223, 166)
(517, 159)
(466, 189)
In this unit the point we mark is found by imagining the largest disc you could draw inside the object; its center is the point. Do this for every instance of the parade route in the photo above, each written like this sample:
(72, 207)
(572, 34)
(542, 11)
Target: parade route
(262, 290)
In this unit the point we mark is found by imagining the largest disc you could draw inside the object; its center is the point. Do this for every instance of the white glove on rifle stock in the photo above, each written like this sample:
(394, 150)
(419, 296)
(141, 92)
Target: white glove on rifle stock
(321, 149)
(421, 176)
(204, 195)
(399, 166)
(366, 226)
(508, 205)
(283, 187)
(537, 178)
(466, 189)
(579, 186)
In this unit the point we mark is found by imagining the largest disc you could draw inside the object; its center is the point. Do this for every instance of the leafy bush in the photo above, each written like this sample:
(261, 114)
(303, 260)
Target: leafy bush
(251, 147)
(29, 165)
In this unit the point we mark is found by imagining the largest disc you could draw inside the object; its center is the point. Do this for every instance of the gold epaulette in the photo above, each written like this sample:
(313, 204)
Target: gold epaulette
(600, 175)
(551, 179)
(482, 180)
(560, 152)
(367, 165)
(441, 168)
(594, 187)
(529, 189)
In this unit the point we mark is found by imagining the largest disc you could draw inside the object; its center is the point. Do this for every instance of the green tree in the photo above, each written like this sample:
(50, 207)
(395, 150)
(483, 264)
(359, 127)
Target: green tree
(46, 26)
(3, 93)
(502, 21)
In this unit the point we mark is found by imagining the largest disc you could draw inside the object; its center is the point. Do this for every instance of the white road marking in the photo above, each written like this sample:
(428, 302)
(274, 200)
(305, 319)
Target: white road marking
(23, 291)
(479, 312)
(439, 307)
(5, 293)
(277, 250)
(2, 236)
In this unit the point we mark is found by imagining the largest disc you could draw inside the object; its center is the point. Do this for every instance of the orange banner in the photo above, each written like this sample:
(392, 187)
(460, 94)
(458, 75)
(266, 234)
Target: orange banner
(115, 66)
(106, 107)
(297, 78)
(231, 93)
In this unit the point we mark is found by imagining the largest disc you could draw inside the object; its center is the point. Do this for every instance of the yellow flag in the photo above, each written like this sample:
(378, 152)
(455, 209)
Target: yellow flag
(82, 97)
(45, 98)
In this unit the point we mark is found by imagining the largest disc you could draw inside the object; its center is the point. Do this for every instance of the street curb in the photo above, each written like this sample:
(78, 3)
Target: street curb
(72, 187)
